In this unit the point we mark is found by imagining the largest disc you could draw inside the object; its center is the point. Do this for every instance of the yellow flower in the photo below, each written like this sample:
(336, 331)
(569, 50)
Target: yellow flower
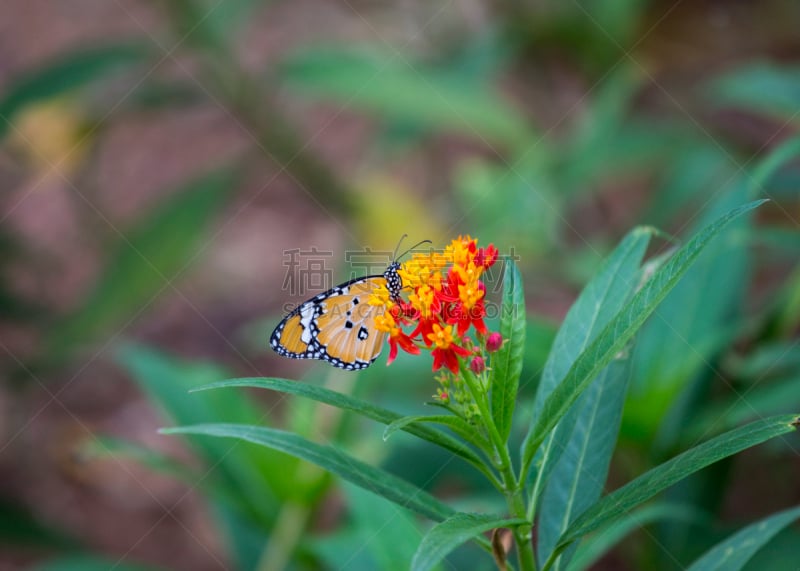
(387, 324)
(442, 337)
(470, 294)
(423, 269)
(469, 273)
(459, 250)
(422, 300)
(380, 296)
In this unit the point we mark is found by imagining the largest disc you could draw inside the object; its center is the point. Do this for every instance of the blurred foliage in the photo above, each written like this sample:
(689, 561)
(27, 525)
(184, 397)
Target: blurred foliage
(538, 133)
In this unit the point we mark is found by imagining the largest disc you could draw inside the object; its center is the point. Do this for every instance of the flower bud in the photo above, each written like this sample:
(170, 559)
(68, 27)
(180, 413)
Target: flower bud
(494, 342)
(477, 365)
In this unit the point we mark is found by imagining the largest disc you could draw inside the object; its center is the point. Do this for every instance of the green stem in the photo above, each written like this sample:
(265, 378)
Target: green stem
(512, 487)
(522, 534)
(291, 525)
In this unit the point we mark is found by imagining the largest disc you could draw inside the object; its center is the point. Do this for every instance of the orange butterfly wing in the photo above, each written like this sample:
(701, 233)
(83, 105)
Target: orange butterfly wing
(337, 326)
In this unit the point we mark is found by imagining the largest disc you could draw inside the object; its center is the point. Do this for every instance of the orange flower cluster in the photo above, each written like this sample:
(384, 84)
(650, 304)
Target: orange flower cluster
(446, 300)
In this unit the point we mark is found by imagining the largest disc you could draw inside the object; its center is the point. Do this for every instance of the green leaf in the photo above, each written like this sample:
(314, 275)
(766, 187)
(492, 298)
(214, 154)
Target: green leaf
(506, 364)
(597, 304)
(764, 88)
(772, 163)
(454, 423)
(587, 436)
(245, 472)
(405, 91)
(733, 553)
(663, 476)
(619, 331)
(390, 533)
(769, 359)
(484, 189)
(694, 321)
(780, 554)
(335, 550)
(695, 167)
(331, 459)
(72, 71)
(777, 396)
(361, 407)
(455, 530)
(599, 544)
(592, 146)
(143, 262)
(102, 447)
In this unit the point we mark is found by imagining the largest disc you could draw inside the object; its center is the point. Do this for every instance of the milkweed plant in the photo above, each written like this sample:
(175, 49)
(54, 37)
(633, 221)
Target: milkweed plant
(552, 481)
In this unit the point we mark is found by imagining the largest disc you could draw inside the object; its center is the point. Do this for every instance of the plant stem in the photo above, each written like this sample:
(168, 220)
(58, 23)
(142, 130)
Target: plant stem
(512, 487)
(522, 534)
(293, 518)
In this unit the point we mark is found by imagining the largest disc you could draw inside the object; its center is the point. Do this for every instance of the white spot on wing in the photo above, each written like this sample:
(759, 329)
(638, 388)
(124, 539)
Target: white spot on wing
(306, 317)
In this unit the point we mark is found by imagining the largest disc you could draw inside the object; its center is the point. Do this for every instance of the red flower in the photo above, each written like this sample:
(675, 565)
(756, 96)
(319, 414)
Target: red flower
(445, 300)
(405, 342)
(446, 351)
(388, 323)
(468, 310)
(486, 257)
(464, 318)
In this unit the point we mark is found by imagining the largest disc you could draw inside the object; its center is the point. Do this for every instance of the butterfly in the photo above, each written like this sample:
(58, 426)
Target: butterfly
(338, 325)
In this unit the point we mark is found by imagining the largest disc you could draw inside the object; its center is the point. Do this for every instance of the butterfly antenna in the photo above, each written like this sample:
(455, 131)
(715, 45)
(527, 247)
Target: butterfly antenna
(417, 245)
(394, 254)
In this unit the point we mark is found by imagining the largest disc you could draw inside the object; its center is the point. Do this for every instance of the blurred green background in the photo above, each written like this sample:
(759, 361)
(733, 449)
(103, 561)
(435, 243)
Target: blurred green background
(157, 160)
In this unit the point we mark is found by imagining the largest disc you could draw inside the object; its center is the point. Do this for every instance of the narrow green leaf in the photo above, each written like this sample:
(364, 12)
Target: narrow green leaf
(694, 167)
(619, 332)
(600, 140)
(693, 322)
(107, 447)
(778, 396)
(454, 423)
(331, 459)
(733, 553)
(143, 261)
(506, 364)
(600, 300)
(391, 534)
(601, 543)
(587, 436)
(772, 163)
(538, 201)
(361, 407)
(769, 359)
(407, 92)
(661, 477)
(452, 532)
(763, 87)
(73, 70)
(245, 472)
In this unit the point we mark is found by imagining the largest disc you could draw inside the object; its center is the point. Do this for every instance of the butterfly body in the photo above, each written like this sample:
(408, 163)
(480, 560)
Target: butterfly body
(338, 325)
